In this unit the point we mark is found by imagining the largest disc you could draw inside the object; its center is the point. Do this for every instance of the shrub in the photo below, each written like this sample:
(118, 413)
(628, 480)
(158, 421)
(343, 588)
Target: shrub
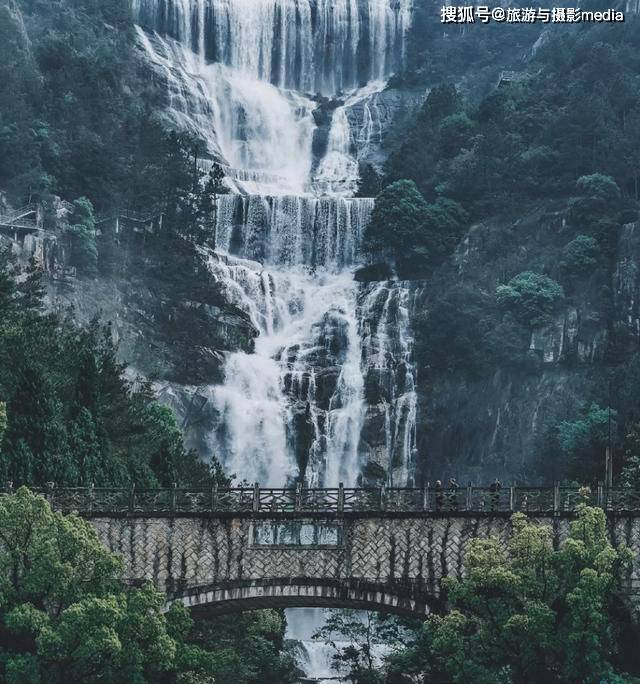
(580, 255)
(530, 297)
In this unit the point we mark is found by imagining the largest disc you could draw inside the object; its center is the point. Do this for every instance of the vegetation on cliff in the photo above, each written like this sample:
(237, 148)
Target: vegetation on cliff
(70, 414)
(542, 167)
(75, 112)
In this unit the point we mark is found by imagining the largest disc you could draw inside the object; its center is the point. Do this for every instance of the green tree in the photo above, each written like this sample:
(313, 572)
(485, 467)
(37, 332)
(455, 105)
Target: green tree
(597, 207)
(531, 297)
(411, 232)
(354, 638)
(417, 155)
(82, 235)
(248, 648)
(65, 614)
(582, 441)
(580, 256)
(397, 219)
(528, 613)
(72, 416)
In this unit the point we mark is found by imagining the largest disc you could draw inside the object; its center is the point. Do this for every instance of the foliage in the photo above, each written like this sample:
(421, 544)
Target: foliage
(530, 613)
(73, 117)
(474, 55)
(354, 637)
(561, 119)
(449, 341)
(411, 231)
(579, 256)
(397, 218)
(597, 207)
(531, 297)
(582, 442)
(84, 252)
(76, 115)
(65, 614)
(71, 415)
(247, 648)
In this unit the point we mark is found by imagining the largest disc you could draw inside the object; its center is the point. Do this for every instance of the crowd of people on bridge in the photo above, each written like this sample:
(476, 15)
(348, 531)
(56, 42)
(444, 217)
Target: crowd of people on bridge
(448, 497)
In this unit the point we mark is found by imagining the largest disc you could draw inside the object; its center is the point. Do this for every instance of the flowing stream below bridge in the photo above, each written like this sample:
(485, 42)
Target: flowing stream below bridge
(328, 395)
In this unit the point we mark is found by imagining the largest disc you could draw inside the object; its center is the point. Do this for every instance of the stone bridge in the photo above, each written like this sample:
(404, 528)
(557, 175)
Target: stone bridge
(379, 549)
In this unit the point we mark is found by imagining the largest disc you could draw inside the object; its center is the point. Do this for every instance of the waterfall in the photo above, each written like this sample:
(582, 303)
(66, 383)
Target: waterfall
(338, 171)
(290, 273)
(387, 343)
(262, 134)
(330, 388)
(245, 76)
(317, 232)
(311, 46)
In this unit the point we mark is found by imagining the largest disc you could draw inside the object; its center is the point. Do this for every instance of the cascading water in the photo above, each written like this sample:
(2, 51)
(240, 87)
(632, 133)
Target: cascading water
(338, 171)
(387, 343)
(245, 76)
(330, 388)
(311, 46)
(263, 134)
(306, 309)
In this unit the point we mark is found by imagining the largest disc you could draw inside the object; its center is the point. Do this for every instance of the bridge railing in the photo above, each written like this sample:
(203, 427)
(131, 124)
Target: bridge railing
(254, 499)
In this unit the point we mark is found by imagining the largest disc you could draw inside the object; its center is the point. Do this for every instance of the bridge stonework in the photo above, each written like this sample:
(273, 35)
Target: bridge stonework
(388, 561)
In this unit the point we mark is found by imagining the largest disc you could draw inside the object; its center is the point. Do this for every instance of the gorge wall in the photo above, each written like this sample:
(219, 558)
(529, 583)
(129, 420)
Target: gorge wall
(343, 395)
(497, 420)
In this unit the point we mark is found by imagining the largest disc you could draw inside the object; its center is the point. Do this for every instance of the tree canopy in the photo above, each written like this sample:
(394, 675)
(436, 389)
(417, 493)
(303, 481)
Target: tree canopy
(65, 614)
(70, 414)
(532, 297)
(529, 613)
(409, 230)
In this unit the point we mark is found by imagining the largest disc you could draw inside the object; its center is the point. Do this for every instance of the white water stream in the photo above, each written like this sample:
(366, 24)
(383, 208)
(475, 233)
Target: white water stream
(331, 384)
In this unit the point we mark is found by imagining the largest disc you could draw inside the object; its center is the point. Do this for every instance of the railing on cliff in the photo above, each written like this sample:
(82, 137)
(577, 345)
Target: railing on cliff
(17, 218)
(339, 500)
(128, 215)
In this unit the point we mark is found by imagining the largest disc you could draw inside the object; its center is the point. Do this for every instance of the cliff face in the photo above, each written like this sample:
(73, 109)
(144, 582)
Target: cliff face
(626, 282)
(474, 420)
(477, 423)
(170, 318)
(372, 117)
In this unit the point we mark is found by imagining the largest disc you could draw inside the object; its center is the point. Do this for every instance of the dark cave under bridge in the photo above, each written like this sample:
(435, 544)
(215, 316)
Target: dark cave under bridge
(223, 550)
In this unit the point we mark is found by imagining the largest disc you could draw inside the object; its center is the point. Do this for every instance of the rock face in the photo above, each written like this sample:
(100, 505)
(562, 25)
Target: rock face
(175, 337)
(388, 443)
(477, 425)
(632, 6)
(626, 282)
(371, 119)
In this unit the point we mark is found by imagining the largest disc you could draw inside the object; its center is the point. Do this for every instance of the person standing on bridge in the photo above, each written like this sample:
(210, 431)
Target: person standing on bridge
(495, 488)
(439, 495)
(453, 495)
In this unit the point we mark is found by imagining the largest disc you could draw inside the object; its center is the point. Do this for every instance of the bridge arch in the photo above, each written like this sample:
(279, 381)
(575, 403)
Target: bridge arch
(304, 592)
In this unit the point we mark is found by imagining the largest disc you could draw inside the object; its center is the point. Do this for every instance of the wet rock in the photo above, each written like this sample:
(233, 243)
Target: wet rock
(367, 274)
